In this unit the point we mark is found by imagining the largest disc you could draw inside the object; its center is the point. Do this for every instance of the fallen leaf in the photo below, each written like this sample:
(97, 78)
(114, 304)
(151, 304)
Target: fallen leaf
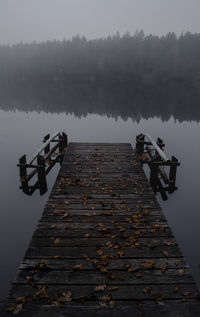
(21, 299)
(120, 253)
(112, 276)
(105, 298)
(112, 303)
(176, 288)
(81, 298)
(169, 243)
(185, 293)
(138, 275)
(111, 288)
(147, 289)
(57, 256)
(163, 268)
(100, 288)
(86, 257)
(159, 298)
(181, 272)
(99, 252)
(103, 269)
(147, 265)
(77, 267)
(67, 296)
(56, 241)
(165, 253)
(15, 308)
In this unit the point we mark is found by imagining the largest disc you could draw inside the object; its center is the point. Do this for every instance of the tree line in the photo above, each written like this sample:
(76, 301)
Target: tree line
(139, 58)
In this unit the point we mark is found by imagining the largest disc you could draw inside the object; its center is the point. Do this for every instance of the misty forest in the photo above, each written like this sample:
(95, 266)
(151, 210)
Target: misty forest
(146, 70)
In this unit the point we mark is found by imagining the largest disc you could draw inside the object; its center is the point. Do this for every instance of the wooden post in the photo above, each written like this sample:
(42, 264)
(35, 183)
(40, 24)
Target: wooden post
(61, 145)
(41, 175)
(154, 176)
(65, 139)
(23, 174)
(140, 143)
(172, 174)
(22, 167)
(47, 148)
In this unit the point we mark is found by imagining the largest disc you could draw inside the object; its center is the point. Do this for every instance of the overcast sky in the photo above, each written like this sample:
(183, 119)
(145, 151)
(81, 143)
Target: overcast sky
(28, 20)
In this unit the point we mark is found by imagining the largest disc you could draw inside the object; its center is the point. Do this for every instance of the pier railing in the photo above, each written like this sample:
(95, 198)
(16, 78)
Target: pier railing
(151, 152)
(41, 163)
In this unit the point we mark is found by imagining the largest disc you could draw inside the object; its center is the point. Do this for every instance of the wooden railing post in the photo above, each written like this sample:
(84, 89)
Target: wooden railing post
(23, 174)
(172, 174)
(65, 139)
(47, 148)
(153, 176)
(61, 145)
(41, 174)
(22, 167)
(140, 143)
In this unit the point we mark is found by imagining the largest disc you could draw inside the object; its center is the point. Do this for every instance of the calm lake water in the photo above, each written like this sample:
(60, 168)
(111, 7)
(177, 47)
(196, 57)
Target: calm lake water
(22, 132)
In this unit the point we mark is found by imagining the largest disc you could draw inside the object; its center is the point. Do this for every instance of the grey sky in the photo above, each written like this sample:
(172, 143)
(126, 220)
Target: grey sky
(28, 20)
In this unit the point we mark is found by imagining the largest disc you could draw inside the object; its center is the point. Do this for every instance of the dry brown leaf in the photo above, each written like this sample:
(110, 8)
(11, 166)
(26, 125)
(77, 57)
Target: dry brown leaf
(105, 298)
(57, 257)
(147, 265)
(147, 289)
(181, 272)
(56, 241)
(52, 226)
(176, 288)
(15, 308)
(112, 288)
(165, 253)
(112, 303)
(138, 275)
(103, 269)
(100, 288)
(185, 293)
(111, 276)
(131, 269)
(66, 296)
(86, 257)
(81, 298)
(99, 252)
(163, 268)
(169, 243)
(77, 267)
(159, 298)
(120, 253)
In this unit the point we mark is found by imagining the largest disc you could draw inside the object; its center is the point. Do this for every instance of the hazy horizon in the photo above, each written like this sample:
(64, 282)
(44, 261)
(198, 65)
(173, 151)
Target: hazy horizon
(27, 21)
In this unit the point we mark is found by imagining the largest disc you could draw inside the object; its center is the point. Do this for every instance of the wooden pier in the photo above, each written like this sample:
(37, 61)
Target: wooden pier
(103, 246)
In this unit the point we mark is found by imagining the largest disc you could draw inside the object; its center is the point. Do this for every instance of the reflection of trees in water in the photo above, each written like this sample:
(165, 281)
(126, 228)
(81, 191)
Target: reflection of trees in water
(126, 99)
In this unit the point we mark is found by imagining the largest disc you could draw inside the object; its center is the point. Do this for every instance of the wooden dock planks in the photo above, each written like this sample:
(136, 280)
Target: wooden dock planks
(103, 246)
